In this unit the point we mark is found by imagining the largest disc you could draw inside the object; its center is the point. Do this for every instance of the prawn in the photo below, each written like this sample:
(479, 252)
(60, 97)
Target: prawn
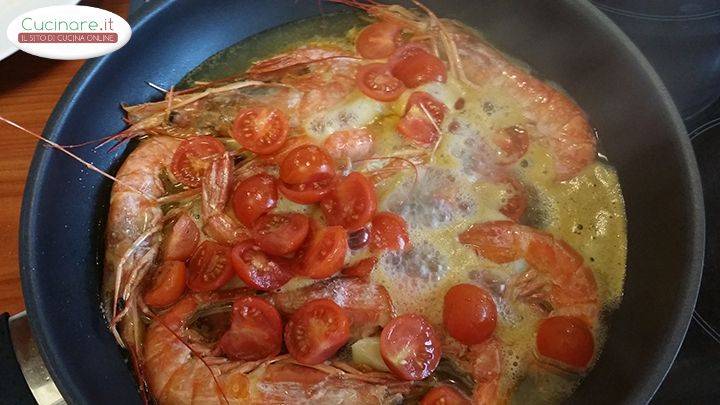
(215, 193)
(183, 368)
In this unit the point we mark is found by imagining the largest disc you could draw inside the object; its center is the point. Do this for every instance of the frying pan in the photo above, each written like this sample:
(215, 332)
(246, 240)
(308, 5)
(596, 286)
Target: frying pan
(566, 41)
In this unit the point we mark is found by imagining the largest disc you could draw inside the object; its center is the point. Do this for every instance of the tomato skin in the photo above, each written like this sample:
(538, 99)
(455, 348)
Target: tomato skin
(361, 268)
(414, 66)
(325, 254)
(254, 197)
(317, 331)
(378, 40)
(261, 130)
(167, 286)
(280, 234)
(306, 164)
(512, 143)
(389, 232)
(258, 270)
(416, 125)
(444, 395)
(209, 267)
(410, 347)
(308, 193)
(566, 339)
(376, 82)
(255, 331)
(181, 241)
(192, 157)
(351, 203)
(469, 314)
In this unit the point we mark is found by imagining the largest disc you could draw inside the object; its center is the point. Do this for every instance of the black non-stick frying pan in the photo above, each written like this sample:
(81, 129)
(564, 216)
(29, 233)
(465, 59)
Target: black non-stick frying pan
(567, 41)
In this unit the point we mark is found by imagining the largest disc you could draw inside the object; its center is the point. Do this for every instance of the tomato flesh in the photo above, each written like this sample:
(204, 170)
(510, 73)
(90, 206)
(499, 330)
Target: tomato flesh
(362, 268)
(444, 395)
(410, 347)
(376, 82)
(306, 164)
(261, 130)
(254, 197)
(317, 331)
(423, 116)
(280, 234)
(255, 331)
(378, 40)
(192, 157)
(512, 144)
(389, 232)
(209, 267)
(469, 314)
(565, 339)
(351, 203)
(308, 193)
(414, 66)
(167, 285)
(181, 241)
(325, 254)
(258, 270)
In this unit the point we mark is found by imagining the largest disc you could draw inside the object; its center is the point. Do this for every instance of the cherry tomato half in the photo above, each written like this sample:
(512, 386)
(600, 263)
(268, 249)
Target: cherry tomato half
(307, 193)
(512, 143)
(316, 331)
(325, 254)
(209, 267)
(254, 197)
(389, 232)
(410, 347)
(258, 270)
(566, 339)
(255, 331)
(378, 40)
(351, 203)
(414, 66)
(261, 130)
(361, 268)
(376, 82)
(444, 395)
(192, 157)
(469, 314)
(423, 116)
(516, 201)
(167, 285)
(305, 164)
(280, 234)
(181, 240)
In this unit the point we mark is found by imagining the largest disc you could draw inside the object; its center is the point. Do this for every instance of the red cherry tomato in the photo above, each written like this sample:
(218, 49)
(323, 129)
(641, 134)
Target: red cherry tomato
(209, 267)
(308, 193)
(469, 314)
(376, 82)
(410, 347)
(261, 130)
(325, 254)
(566, 339)
(258, 270)
(254, 197)
(351, 203)
(512, 143)
(255, 331)
(167, 285)
(414, 66)
(444, 395)
(362, 268)
(192, 157)
(516, 201)
(305, 164)
(378, 40)
(423, 116)
(181, 241)
(389, 232)
(317, 331)
(280, 234)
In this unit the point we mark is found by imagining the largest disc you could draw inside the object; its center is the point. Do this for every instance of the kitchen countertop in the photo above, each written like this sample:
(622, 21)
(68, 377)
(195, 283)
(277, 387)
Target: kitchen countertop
(29, 88)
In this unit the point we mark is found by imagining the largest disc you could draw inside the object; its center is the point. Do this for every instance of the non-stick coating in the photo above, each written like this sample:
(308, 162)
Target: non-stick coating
(566, 41)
